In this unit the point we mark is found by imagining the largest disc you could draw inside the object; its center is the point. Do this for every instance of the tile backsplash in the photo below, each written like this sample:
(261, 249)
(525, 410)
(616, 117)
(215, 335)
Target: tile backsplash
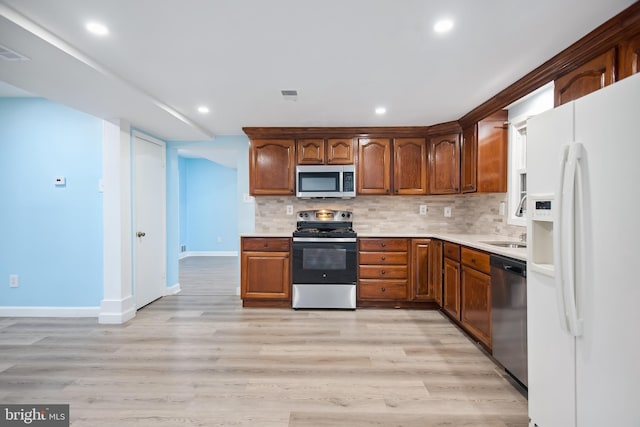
(473, 213)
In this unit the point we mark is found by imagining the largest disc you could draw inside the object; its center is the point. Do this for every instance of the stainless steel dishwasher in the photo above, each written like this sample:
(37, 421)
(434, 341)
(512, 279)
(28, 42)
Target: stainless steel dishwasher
(509, 315)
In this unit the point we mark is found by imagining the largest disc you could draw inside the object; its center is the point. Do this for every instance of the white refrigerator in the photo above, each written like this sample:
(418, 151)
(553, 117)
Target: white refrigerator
(583, 288)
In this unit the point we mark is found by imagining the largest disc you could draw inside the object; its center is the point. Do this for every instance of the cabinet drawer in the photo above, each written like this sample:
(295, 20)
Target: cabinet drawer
(476, 259)
(267, 244)
(382, 271)
(383, 258)
(382, 289)
(383, 244)
(452, 251)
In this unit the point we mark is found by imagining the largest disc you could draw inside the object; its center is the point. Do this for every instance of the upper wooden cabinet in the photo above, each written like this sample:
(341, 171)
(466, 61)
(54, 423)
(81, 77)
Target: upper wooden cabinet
(318, 151)
(444, 164)
(374, 166)
(410, 166)
(469, 159)
(589, 77)
(492, 153)
(629, 58)
(272, 167)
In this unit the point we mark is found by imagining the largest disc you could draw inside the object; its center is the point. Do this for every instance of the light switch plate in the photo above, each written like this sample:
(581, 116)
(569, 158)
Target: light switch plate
(447, 212)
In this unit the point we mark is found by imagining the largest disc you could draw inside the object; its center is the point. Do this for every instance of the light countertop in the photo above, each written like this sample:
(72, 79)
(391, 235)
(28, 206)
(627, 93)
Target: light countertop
(471, 240)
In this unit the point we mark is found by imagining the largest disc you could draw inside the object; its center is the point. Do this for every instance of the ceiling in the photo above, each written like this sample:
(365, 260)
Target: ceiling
(164, 58)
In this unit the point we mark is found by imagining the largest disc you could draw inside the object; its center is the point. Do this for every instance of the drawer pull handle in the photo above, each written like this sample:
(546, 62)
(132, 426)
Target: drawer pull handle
(383, 272)
(266, 245)
(383, 244)
(473, 260)
(383, 289)
(383, 258)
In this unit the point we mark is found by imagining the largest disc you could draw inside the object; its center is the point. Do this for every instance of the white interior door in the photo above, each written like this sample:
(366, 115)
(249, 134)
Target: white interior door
(149, 220)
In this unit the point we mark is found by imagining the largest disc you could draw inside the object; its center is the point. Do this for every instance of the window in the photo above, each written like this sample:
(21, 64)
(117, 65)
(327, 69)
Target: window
(519, 112)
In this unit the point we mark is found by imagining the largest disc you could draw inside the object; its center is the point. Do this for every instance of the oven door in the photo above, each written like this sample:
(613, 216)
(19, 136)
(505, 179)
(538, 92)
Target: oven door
(324, 261)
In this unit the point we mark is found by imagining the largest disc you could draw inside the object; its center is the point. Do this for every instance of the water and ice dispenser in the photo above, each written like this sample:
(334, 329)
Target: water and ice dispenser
(541, 208)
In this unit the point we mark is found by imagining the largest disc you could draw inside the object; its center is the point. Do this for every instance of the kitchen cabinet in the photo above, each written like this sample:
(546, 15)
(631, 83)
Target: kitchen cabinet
(475, 284)
(265, 271)
(492, 153)
(484, 155)
(374, 166)
(319, 151)
(451, 280)
(444, 164)
(426, 270)
(383, 269)
(589, 77)
(272, 167)
(469, 159)
(629, 59)
(410, 166)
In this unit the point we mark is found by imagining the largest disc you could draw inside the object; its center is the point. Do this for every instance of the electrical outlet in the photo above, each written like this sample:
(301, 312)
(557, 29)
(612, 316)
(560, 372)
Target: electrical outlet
(13, 280)
(289, 209)
(423, 210)
(447, 212)
(502, 208)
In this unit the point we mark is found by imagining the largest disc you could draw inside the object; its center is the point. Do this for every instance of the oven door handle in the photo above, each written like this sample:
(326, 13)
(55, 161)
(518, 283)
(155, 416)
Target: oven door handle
(326, 239)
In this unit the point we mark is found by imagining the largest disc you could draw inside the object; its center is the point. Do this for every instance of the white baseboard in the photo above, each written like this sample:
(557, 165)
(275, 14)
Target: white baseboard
(207, 253)
(115, 312)
(172, 290)
(49, 311)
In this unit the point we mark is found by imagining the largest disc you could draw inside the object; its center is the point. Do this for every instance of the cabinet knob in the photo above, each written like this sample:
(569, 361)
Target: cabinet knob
(265, 245)
(387, 190)
(383, 289)
(383, 272)
(473, 260)
(383, 244)
(396, 190)
(383, 258)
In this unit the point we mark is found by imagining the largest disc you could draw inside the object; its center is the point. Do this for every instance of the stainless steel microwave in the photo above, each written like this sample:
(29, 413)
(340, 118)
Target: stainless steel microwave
(326, 181)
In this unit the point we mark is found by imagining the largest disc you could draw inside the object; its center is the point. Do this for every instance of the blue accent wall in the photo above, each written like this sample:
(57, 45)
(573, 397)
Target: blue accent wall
(50, 236)
(209, 214)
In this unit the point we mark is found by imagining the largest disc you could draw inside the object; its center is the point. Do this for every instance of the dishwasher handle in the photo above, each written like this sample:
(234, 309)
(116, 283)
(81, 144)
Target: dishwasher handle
(509, 265)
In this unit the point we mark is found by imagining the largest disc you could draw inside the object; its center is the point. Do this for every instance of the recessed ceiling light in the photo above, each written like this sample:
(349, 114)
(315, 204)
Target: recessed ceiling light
(97, 28)
(203, 109)
(443, 26)
(380, 111)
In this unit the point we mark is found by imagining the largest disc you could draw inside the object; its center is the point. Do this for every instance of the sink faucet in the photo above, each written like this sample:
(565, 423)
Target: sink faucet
(522, 206)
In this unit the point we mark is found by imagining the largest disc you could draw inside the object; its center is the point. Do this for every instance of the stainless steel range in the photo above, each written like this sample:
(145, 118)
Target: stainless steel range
(324, 260)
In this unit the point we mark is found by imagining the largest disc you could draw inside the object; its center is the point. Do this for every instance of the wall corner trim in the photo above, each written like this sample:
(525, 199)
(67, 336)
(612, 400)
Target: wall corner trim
(117, 311)
(172, 290)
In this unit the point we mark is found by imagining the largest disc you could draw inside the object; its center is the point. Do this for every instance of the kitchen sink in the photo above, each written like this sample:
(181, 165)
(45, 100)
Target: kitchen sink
(511, 245)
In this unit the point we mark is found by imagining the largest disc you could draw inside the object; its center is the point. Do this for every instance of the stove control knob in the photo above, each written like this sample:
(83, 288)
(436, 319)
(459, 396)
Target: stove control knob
(343, 215)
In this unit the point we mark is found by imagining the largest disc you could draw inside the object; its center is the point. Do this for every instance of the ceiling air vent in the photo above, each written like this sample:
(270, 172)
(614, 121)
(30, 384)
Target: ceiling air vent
(289, 95)
(11, 55)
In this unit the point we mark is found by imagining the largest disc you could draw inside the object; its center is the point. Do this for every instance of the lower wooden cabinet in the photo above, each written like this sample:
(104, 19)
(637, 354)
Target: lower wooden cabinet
(451, 288)
(383, 269)
(265, 271)
(426, 270)
(475, 285)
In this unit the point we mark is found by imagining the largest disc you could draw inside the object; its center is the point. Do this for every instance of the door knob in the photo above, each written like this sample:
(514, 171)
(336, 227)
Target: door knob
(141, 234)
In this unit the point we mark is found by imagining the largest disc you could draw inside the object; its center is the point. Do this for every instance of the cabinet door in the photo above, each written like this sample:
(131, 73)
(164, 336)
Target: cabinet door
(256, 283)
(492, 156)
(469, 159)
(310, 151)
(589, 77)
(451, 288)
(476, 304)
(340, 151)
(421, 285)
(435, 270)
(630, 56)
(272, 166)
(410, 166)
(444, 164)
(374, 166)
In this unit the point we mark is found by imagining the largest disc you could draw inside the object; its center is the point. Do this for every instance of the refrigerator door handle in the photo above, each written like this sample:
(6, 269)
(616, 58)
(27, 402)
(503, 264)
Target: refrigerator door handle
(564, 237)
(557, 239)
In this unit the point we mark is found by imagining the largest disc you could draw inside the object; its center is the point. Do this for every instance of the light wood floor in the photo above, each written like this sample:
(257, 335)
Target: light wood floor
(203, 360)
